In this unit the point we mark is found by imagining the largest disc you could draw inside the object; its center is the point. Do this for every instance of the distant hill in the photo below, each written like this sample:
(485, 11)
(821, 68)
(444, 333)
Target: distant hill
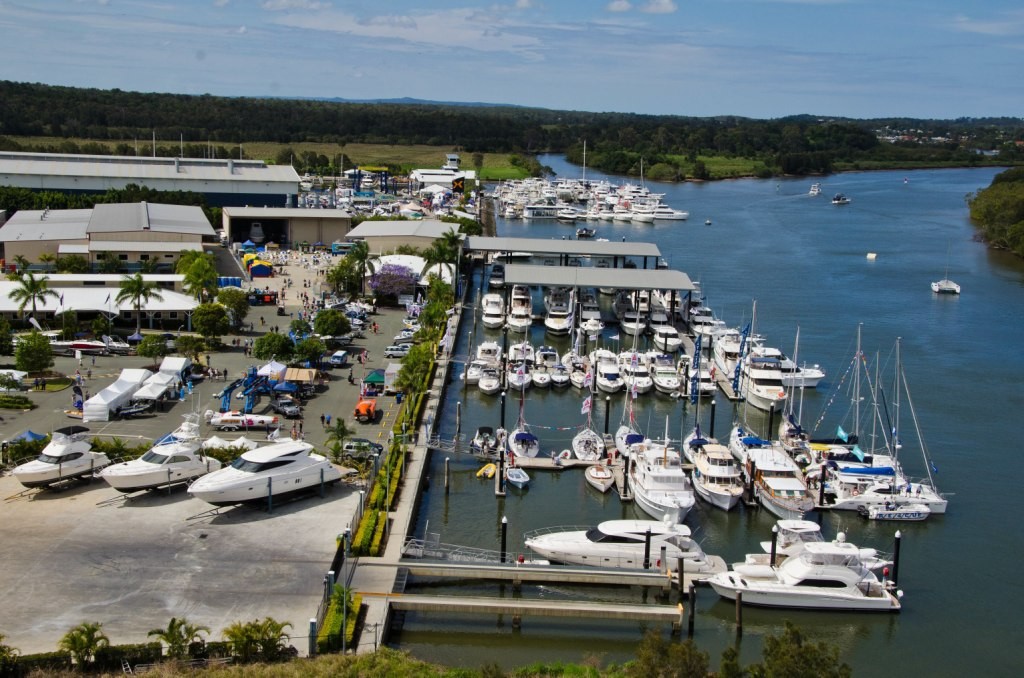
(404, 101)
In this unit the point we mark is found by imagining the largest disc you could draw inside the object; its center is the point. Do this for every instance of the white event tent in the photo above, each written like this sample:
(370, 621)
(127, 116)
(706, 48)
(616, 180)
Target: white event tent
(98, 407)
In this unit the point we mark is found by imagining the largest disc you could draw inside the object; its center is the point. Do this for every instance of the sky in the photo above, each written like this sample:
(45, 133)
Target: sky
(755, 58)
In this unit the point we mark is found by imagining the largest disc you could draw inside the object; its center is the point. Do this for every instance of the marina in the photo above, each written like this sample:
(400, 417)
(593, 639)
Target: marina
(824, 342)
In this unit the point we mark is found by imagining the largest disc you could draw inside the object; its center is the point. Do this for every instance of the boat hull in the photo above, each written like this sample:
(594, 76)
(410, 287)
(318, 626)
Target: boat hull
(786, 597)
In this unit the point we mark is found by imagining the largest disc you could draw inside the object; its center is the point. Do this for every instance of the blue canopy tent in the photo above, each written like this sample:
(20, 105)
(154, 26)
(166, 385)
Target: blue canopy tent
(286, 387)
(134, 338)
(31, 436)
(248, 243)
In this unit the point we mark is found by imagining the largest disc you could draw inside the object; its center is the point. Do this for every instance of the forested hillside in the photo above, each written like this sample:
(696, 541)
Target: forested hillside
(999, 211)
(672, 147)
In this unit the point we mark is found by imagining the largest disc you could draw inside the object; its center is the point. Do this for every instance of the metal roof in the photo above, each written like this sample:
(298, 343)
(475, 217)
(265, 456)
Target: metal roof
(56, 278)
(588, 276)
(140, 168)
(145, 216)
(95, 299)
(47, 224)
(285, 213)
(425, 228)
(571, 247)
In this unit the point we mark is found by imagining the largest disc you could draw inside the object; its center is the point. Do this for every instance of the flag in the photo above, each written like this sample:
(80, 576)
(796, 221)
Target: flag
(935, 469)
(587, 404)
(632, 390)
(841, 434)
(613, 338)
(62, 301)
(634, 360)
(108, 300)
(588, 379)
(859, 453)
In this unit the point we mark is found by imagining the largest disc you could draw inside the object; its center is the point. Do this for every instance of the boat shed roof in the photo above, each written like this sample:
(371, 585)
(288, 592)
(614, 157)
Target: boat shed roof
(586, 276)
(571, 247)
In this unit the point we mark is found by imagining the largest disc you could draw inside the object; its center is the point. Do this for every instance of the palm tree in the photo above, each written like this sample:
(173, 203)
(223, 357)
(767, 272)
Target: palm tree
(33, 290)
(201, 280)
(243, 639)
(48, 258)
(189, 257)
(83, 641)
(21, 262)
(178, 635)
(360, 254)
(337, 434)
(272, 638)
(137, 289)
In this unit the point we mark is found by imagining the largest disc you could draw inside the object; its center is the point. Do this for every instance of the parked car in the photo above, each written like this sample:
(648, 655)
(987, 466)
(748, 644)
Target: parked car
(339, 359)
(396, 351)
(361, 448)
(286, 407)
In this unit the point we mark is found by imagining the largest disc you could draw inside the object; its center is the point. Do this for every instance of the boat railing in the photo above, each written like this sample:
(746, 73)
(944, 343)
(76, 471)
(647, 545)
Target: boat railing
(556, 528)
(433, 549)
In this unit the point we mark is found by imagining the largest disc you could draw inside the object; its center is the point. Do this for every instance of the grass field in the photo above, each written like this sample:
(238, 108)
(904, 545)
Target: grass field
(496, 165)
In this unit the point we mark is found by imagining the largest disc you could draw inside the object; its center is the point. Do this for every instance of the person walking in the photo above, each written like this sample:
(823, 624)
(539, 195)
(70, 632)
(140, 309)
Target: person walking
(323, 421)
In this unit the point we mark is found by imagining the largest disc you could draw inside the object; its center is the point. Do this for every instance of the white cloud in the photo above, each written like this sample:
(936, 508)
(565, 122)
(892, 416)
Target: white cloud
(659, 7)
(1010, 23)
(242, 30)
(284, 5)
(619, 6)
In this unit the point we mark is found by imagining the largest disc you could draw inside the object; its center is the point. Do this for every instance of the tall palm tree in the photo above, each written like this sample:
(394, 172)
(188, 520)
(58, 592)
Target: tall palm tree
(243, 639)
(137, 289)
(178, 635)
(201, 280)
(83, 641)
(33, 290)
(360, 254)
(337, 434)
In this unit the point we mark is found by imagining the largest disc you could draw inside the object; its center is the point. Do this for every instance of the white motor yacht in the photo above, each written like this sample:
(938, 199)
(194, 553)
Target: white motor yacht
(667, 339)
(761, 380)
(663, 373)
(635, 374)
(716, 477)
(664, 212)
(68, 455)
(633, 323)
(520, 314)
(778, 482)
(176, 459)
(560, 376)
(660, 486)
(474, 369)
(493, 310)
(793, 375)
(558, 320)
(484, 441)
(592, 327)
(275, 471)
(823, 576)
(490, 381)
(590, 309)
(703, 323)
(520, 352)
(519, 376)
(606, 371)
(622, 544)
(489, 352)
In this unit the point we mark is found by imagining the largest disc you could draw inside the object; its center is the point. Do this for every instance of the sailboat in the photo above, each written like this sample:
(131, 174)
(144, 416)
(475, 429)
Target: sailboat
(588, 445)
(945, 286)
(521, 442)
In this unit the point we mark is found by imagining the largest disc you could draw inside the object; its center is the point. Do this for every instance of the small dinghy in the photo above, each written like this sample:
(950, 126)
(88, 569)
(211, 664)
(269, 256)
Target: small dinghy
(517, 476)
(600, 477)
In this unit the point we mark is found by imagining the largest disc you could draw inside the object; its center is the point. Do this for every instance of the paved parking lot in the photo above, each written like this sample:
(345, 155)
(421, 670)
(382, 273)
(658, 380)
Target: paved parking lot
(74, 556)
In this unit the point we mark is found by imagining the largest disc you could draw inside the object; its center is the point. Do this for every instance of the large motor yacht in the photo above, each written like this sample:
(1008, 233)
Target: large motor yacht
(68, 455)
(176, 459)
(276, 471)
(622, 544)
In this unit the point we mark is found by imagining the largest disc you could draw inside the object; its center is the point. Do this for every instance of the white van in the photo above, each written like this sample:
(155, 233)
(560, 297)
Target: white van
(339, 359)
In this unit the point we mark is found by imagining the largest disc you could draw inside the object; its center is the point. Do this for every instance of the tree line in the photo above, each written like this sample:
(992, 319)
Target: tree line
(998, 211)
(792, 145)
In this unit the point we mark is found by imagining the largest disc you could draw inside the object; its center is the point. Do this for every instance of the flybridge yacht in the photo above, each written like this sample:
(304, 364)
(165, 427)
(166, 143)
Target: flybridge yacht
(278, 470)
(622, 544)
(68, 455)
(176, 459)
(559, 319)
(493, 310)
(822, 576)
(520, 309)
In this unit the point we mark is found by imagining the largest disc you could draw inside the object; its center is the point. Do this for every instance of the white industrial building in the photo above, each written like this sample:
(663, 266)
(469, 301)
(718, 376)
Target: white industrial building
(222, 182)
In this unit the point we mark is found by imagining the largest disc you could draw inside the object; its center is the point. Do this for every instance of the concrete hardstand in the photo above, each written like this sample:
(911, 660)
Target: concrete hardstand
(74, 556)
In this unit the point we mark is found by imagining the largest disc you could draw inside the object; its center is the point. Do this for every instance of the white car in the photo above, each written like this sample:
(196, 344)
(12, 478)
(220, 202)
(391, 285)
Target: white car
(396, 351)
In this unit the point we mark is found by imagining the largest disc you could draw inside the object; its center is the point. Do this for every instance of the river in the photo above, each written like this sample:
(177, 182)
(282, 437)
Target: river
(804, 262)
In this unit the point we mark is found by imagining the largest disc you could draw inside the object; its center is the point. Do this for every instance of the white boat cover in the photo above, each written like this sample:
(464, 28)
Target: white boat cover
(98, 407)
(272, 369)
(157, 385)
(243, 442)
(213, 443)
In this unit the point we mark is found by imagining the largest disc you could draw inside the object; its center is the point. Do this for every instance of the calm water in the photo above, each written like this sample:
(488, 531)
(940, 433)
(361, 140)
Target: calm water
(804, 262)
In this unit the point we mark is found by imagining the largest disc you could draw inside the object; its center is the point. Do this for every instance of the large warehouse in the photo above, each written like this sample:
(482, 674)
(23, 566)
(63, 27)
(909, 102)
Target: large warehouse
(284, 226)
(222, 182)
(128, 232)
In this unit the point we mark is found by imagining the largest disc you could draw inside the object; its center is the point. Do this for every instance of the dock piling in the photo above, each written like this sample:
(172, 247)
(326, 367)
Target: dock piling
(607, 408)
(663, 561)
(896, 557)
(775, 541)
(504, 537)
(821, 486)
(647, 549)
(693, 607)
(739, 613)
(711, 424)
(447, 473)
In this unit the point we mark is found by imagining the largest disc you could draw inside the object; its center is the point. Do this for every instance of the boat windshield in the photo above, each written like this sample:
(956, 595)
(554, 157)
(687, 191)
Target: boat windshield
(243, 464)
(62, 459)
(596, 536)
(154, 457)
